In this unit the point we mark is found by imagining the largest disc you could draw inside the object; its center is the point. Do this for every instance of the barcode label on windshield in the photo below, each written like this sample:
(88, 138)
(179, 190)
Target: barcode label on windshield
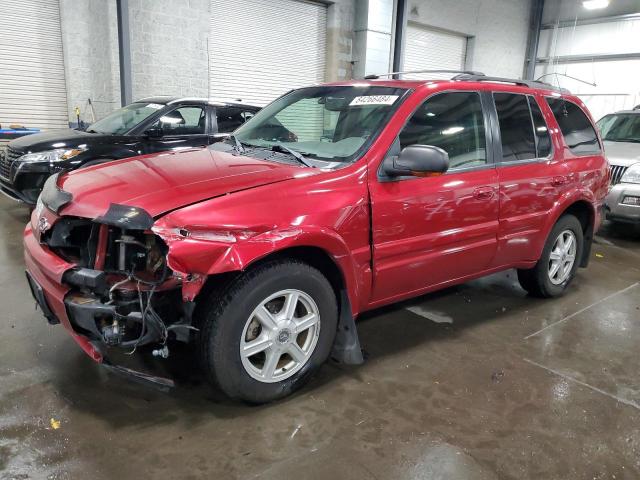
(373, 100)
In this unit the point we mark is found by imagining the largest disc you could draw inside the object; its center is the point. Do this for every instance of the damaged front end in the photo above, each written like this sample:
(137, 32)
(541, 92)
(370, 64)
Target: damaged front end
(122, 292)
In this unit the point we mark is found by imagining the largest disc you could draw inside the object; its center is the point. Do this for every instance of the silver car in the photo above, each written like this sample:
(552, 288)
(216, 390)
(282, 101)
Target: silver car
(621, 134)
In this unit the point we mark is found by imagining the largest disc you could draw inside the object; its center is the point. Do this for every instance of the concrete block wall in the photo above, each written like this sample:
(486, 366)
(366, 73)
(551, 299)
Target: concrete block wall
(340, 39)
(90, 45)
(169, 47)
(498, 29)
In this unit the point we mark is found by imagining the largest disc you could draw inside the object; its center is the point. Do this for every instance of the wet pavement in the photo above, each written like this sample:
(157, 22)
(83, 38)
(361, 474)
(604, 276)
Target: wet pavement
(475, 382)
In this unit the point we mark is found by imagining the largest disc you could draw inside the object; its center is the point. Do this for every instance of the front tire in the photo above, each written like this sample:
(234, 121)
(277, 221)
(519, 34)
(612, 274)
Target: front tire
(265, 335)
(559, 260)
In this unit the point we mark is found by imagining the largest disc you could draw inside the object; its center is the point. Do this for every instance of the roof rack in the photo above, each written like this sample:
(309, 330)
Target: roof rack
(390, 74)
(515, 81)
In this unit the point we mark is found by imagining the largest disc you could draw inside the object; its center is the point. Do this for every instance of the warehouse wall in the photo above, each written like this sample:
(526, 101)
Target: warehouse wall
(498, 30)
(169, 47)
(614, 81)
(340, 39)
(90, 45)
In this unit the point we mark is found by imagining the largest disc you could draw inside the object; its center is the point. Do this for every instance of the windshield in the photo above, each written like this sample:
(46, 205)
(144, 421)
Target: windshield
(124, 119)
(326, 123)
(620, 127)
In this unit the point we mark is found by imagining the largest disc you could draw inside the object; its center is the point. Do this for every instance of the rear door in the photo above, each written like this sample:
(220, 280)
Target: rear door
(532, 174)
(428, 231)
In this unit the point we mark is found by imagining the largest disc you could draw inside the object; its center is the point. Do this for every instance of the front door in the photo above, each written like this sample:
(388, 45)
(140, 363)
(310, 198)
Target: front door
(181, 128)
(428, 231)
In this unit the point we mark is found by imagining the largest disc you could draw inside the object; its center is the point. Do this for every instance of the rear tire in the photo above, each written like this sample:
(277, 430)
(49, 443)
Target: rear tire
(286, 311)
(559, 260)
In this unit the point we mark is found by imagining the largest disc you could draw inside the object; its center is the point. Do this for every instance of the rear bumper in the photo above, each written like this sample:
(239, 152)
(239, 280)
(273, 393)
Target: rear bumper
(615, 208)
(45, 271)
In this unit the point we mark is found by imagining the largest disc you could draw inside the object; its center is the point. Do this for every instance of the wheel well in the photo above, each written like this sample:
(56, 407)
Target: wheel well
(314, 256)
(583, 212)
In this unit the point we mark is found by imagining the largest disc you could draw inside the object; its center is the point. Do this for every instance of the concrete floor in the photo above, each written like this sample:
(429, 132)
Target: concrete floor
(476, 382)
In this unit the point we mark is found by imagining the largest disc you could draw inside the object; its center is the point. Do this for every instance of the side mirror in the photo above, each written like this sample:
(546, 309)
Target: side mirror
(419, 161)
(154, 133)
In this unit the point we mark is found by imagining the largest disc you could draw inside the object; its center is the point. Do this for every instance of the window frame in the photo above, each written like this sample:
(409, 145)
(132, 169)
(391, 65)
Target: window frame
(564, 140)
(498, 136)
(546, 124)
(144, 127)
(488, 133)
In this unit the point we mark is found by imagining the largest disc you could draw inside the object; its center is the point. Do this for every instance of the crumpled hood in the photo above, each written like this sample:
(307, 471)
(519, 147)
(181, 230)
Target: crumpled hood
(166, 181)
(623, 154)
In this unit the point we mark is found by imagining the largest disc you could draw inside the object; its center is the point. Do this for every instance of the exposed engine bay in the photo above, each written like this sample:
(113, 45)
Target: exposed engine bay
(123, 293)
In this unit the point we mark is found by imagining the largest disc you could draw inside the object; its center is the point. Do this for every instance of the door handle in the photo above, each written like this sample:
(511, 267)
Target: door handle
(483, 193)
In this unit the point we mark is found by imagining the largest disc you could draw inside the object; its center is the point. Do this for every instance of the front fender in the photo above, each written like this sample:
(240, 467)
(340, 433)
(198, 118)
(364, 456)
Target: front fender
(197, 259)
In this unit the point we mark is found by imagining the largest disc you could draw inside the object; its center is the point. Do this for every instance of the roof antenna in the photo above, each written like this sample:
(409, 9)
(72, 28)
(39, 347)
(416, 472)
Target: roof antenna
(565, 75)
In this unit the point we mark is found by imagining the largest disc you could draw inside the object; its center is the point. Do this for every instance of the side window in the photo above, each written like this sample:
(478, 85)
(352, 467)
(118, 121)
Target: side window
(230, 118)
(516, 129)
(452, 121)
(576, 128)
(543, 139)
(182, 121)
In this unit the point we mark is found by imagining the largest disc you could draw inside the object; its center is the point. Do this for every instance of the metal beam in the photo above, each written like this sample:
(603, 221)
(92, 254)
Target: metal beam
(588, 58)
(400, 33)
(535, 23)
(124, 51)
(591, 21)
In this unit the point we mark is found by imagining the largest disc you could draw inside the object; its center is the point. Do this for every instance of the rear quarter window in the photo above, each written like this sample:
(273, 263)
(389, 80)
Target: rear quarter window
(577, 130)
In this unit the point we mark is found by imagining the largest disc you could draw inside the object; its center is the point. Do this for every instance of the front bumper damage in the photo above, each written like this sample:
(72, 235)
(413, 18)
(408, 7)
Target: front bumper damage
(102, 305)
(621, 204)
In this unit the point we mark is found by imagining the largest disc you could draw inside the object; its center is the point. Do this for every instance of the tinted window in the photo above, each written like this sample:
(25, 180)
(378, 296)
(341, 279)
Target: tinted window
(516, 129)
(575, 126)
(453, 122)
(230, 118)
(543, 139)
(182, 121)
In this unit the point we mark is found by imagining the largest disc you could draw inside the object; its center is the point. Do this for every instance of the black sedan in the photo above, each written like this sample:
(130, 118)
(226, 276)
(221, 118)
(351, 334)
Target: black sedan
(146, 126)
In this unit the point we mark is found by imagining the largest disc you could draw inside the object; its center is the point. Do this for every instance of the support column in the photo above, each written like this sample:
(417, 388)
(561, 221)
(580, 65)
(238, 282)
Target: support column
(373, 37)
(124, 52)
(400, 32)
(535, 23)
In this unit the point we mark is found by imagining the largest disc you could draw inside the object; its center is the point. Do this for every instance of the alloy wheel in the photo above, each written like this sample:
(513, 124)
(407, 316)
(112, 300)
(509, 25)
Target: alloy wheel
(280, 336)
(562, 257)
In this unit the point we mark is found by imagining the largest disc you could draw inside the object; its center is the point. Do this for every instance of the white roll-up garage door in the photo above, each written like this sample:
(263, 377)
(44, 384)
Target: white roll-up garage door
(260, 49)
(431, 49)
(32, 84)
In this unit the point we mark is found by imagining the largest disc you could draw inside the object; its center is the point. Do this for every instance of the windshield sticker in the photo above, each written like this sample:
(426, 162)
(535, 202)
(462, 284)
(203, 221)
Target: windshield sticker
(373, 100)
(155, 106)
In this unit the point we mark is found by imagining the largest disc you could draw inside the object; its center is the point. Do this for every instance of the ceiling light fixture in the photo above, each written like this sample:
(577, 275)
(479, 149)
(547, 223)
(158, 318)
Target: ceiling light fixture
(595, 4)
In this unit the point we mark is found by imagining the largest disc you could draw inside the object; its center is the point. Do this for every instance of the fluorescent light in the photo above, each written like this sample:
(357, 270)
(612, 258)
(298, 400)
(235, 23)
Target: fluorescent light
(595, 4)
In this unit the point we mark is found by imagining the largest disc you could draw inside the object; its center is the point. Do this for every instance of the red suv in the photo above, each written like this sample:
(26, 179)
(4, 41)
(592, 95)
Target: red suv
(334, 199)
